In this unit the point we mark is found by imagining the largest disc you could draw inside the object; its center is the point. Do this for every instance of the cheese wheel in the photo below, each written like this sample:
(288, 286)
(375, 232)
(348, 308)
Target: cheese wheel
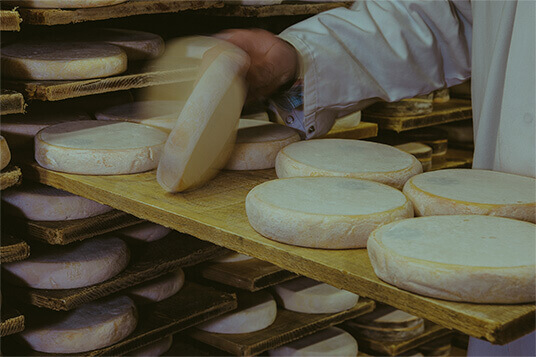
(5, 154)
(466, 191)
(248, 123)
(20, 130)
(72, 266)
(478, 259)
(62, 60)
(158, 289)
(157, 348)
(38, 202)
(138, 45)
(324, 212)
(232, 257)
(94, 325)
(255, 312)
(441, 95)
(257, 146)
(420, 105)
(94, 147)
(313, 297)
(62, 4)
(347, 158)
(332, 341)
(161, 114)
(145, 231)
(419, 150)
(347, 122)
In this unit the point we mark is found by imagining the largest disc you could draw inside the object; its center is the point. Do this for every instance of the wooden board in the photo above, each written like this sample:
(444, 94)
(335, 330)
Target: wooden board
(13, 249)
(276, 10)
(10, 176)
(130, 8)
(11, 321)
(287, 327)
(453, 159)
(363, 131)
(11, 102)
(146, 263)
(395, 348)
(216, 213)
(252, 274)
(65, 232)
(9, 20)
(183, 345)
(453, 110)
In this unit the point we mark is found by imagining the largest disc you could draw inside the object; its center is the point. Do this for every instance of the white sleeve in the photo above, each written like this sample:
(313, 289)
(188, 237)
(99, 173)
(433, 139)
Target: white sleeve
(386, 50)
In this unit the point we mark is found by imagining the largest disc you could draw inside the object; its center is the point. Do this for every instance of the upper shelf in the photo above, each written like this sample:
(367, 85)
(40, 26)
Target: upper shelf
(11, 102)
(277, 10)
(9, 20)
(216, 213)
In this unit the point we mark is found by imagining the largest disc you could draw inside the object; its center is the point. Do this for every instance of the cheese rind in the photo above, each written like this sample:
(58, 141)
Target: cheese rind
(158, 289)
(5, 154)
(63, 4)
(462, 191)
(94, 325)
(138, 45)
(73, 266)
(313, 297)
(480, 259)
(62, 60)
(157, 348)
(324, 212)
(347, 158)
(96, 147)
(38, 202)
(145, 231)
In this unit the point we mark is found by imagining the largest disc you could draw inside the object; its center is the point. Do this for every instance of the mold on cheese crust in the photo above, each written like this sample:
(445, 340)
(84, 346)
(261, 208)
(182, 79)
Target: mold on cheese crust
(480, 259)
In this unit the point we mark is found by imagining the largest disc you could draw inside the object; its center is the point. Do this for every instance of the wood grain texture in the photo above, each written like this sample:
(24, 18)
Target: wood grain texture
(13, 249)
(10, 176)
(147, 262)
(287, 327)
(11, 321)
(216, 213)
(11, 102)
(363, 131)
(10, 20)
(276, 10)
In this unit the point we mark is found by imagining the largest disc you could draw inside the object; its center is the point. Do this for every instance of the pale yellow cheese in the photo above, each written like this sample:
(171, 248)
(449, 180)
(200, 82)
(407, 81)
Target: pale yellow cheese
(145, 231)
(158, 289)
(347, 122)
(5, 154)
(419, 150)
(479, 259)
(157, 348)
(324, 212)
(62, 4)
(138, 45)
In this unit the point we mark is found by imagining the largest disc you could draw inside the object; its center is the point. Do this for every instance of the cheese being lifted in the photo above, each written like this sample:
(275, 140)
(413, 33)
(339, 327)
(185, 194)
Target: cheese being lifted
(145, 231)
(62, 4)
(324, 212)
(94, 325)
(158, 289)
(466, 191)
(481, 259)
(347, 158)
(62, 60)
(72, 266)
(313, 297)
(5, 154)
(95, 147)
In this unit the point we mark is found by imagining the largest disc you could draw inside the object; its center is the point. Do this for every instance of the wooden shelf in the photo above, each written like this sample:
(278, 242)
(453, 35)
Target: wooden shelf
(216, 213)
(10, 176)
(11, 102)
(10, 20)
(276, 10)
(11, 321)
(13, 249)
(363, 131)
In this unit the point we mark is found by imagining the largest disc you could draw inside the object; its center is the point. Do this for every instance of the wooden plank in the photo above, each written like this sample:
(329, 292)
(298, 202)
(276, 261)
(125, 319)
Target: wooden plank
(65, 232)
(252, 274)
(11, 321)
(146, 263)
(10, 176)
(13, 249)
(216, 213)
(363, 131)
(10, 20)
(183, 345)
(11, 102)
(453, 159)
(130, 8)
(453, 110)
(287, 327)
(276, 10)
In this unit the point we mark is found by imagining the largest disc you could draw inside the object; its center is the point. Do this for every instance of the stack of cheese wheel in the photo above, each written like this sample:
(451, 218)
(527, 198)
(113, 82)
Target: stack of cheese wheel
(332, 341)
(92, 326)
(313, 297)
(386, 323)
(62, 4)
(481, 259)
(232, 257)
(347, 158)
(157, 348)
(145, 232)
(422, 152)
(96, 147)
(324, 212)
(5, 153)
(255, 312)
(158, 289)
(466, 191)
(419, 105)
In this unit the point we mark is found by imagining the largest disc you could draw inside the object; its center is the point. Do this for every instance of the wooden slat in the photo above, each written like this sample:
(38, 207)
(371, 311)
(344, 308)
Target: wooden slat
(13, 249)
(287, 327)
(276, 10)
(10, 20)
(11, 321)
(453, 110)
(11, 102)
(10, 176)
(363, 131)
(216, 213)
(130, 8)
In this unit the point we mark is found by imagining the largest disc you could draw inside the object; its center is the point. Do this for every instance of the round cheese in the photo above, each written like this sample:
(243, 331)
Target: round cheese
(313, 297)
(441, 95)
(420, 105)
(38, 202)
(332, 341)
(62, 60)
(255, 312)
(138, 45)
(161, 114)
(157, 348)
(347, 122)
(257, 146)
(466, 191)
(347, 158)
(62, 4)
(419, 150)
(76, 265)
(96, 147)
(324, 212)
(145, 231)
(20, 130)
(232, 257)
(94, 325)
(158, 289)
(479, 259)
(5, 154)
